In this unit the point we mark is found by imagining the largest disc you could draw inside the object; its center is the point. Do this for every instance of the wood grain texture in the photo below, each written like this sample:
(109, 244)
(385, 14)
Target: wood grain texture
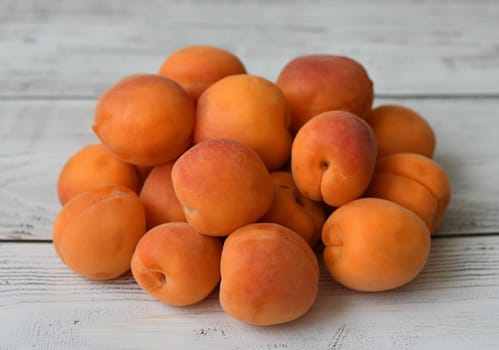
(454, 304)
(440, 58)
(37, 137)
(62, 48)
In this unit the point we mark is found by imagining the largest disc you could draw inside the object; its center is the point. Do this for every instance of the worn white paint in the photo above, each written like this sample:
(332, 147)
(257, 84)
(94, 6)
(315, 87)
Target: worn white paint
(454, 304)
(409, 47)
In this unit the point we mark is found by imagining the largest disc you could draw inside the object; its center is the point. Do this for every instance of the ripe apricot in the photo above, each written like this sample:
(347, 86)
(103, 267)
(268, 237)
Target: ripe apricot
(293, 210)
(176, 264)
(408, 193)
(400, 129)
(314, 84)
(197, 67)
(92, 167)
(222, 185)
(96, 232)
(270, 275)
(333, 157)
(145, 119)
(415, 182)
(373, 244)
(249, 109)
(161, 204)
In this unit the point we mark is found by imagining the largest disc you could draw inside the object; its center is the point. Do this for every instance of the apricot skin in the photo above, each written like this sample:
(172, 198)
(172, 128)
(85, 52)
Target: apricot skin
(314, 84)
(92, 167)
(408, 193)
(293, 210)
(269, 275)
(415, 182)
(176, 264)
(249, 109)
(373, 244)
(222, 185)
(145, 119)
(333, 157)
(96, 232)
(197, 67)
(161, 204)
(399, 129)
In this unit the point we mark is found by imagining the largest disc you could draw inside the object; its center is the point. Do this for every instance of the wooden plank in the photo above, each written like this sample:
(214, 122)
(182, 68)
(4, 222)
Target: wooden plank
(37, 137)
(454, 304)
(409, 47)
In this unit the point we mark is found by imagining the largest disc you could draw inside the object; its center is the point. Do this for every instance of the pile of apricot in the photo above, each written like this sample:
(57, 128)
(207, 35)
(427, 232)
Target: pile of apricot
(209, 178)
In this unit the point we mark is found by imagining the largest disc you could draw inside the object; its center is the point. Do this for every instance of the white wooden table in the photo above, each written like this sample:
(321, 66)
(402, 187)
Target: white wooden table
(440, 58)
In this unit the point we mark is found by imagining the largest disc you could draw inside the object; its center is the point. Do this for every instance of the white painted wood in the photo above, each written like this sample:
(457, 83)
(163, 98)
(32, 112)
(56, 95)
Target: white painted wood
(454, 304)
(67, 48)
(37, 137)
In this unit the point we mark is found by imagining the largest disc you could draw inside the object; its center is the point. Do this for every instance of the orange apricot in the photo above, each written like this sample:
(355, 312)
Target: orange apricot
(197, 67)
(269, 275)
(249, 109)
(333, 157)
(161, 204)
(176, 264)
(293, 210)
(314, 84)
(406, 192)
(96, 232)
(92, 167)
(145, 119)
(400, 129)
(373, 244)
(222, 185)
(425, 188)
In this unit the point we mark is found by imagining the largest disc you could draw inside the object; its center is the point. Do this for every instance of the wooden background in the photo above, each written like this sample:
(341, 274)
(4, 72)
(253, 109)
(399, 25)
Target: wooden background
(440, 58)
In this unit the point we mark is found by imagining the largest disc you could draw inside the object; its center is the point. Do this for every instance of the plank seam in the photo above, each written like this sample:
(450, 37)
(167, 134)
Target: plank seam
(436, 236)
(423, 96)
(6, 240)
(465, 235)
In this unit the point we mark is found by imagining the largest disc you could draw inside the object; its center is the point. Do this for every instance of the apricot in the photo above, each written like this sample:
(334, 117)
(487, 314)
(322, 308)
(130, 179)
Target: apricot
(222, 185)
(160, 202)
(373, 244)
(415, 182)
(197, 67)
(92, 167)
(333, 157)
(176, 264)
(270, 275)
(96, 232)
(293, 210)
(406, 192)
(249, 109)
(145, 119)
(400, 129)
(314, 84)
